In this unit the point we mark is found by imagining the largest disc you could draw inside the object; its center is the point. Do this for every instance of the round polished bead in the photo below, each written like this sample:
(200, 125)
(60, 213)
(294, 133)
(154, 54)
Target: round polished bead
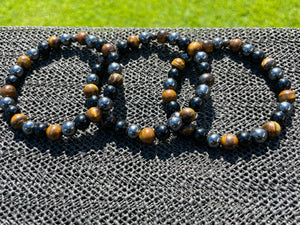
(169, 95)
(268, 63)
(54, 132)
(24, 61)
(279, 117)
(114, 68)
(175, 123)
(91, 41)
(90, 89)
(65, 39)
(244, 138)
(99, 44)
(40, 130)
(44, 48)
(28, 127)
(94, 114)
(200, 134)
(207, 79)
(11, 110)
(287, 95)
(275, 73)
(170, 84)
(174, 73)
(204, 67)
(283, 84)
(92, 101)
(110, 92)
(92, 79)
(54, 42)
(7, 101)
(173, 38)
(133, 41)
(247, 49)
(8, 90)
(68, 128)
(133, 131)
(257, 56)
(187, 130)
(203, 91)
(97, 69)
(193, 48)
(113, 57)
(82, 122)
(107, 49)
(225, 43)
(218, 43)
(81, 37)
(200, 57)
(285, 107)
(144, 37)
(115, 79)
(101, 59)
(178, 63)
(12, 80)
(121, 127)
(17, 121)
(17, 71)
(187, 115)
(105, 104)
(213, 141)
(108, 121)
(33, 54)
(208, 46)
(175, 114)
(147, 135)
(235, 45)
(162, 36)
(162, 132)
(273, 129)
(229, 141)
(259, 135)
(196, 103)
(122, 47)
(172, 106)
(183, 43)
(186, 57)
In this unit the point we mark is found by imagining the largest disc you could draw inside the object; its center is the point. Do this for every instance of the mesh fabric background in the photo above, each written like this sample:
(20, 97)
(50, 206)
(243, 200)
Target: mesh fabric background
(98, 177)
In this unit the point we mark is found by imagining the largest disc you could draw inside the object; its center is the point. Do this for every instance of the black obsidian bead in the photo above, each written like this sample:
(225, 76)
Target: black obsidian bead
(284, 84)
(196, 103)
(257, 56)
(44, 48)
(6, 101)
(145, 37)
(122, 47)
(33, 54)
(218, 42)
(172, 107)
(225, 43)
(121, 127)
(279, 117)
(40, 129)
(99, 43)
(174, 73)
(200, 57)
(17, 71)
(11, 110)
(170, 83)
(185, 57)
(162, 132)
(183, 43)
(275, 73)
(82, 122)
(247, 49)
(203, 91)
(105, 104)
(92, 101)
(91, 41)
(101, 59)
(113, 57)
(173, 38)
(200, 134)
(114, 68)
(66, 39)
(244, 138)
(204, 67)
(28, 127)
(108, 121)
(92, 79)
(110, 92)
(12, 79)
(97, 69)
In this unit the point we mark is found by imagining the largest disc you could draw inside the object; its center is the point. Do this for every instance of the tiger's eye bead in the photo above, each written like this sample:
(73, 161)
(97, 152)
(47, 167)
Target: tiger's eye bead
(285, 107)
(196, 103)
(275, 73)
(99, 44)
(208, 46)
(207, 79)
(187, 130)
(121, 127)
(235, 45)
(170, 84)
(174, 73)
(173, 38)
(115, 79)
(94, 114)
(54, 42)
(178, 63)
(17, 121)
(172, 107)
(257, 56)
(200, 57)
(162, 132)
(193, 48)
(229, 141)
(33, 54)
(92, 79)
(44, 48)
(259, 135)
(247, 49)
(107, 49)
(8, 91)
(279, 117)
(28, 127)
(200, 134)
(213, 141)
(244, 138)
(90, 89)
(6, 101)
(110, 92)
(82, 122)
(24, 61)
(17, 71)
(11, 110)
(283, 84)
(133, 41)
(81, 37)
(268, 63)
(188, 115)
(273, 129)
(162, 36)
(203, 91)
(92, 101)
(108, 121)
(204, 67)
(183, 43)
(40, 129)
(105, 104)
(144, 37)
(54, 132)
(147, 135)
(169, 95)
(287, 95)
(91, 41)
(114, 68)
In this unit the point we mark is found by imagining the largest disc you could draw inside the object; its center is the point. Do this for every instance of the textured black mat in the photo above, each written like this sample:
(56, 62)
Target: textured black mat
(97, 177)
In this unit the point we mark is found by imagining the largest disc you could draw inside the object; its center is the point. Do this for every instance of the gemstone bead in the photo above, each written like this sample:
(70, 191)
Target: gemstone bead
(92, 79)
(204, 67)
(174, 73)
(175, 123)
(92, 101)
(91, 41)
(207, 79)
(110, 92)
(203, 91)
(235, 45)
(244, 138)
(17, 121)
(17, 71)
(97, 69)
(285, 107)
(188, 115)
(275, 73)
(114, 68)
(144, 37)
(170, 83)
(115, 79)
(178, 63)
(218, 43)
(147, 135)
(162, 132)
(7, 101)
(33, 54)
(173, 38)
(82, 122)
(229, 141)
(257, 56)
(200, 134)
(259, 135)
(107, 49)
(187, 130)
(169, 95)
(28, 127)
(105, 104)
(122, 47)
(99, 44)
(94, 114)
(8, 90)
(24, 61)
(213, 141)
(162, 36)
(208, 46)
(90, 89)
(279, 117)
(54, 42)
(200, 57)
(133, 41)
(193, 48)
(247, 49)
(172, 106)
(196, 103)
(133, 131)
(287, 95)
(283, 84)
(112, 57)
(268, 63)
(273, 129)
(11, 110)
(40, 130)
(44, 48)
(183, 43)
(54, 132)
(121, 127)
(12, 79)
(81, 37)
(108, 121)
(65, 39)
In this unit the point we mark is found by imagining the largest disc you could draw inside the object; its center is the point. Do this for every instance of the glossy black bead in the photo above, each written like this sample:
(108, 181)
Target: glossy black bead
(170, 83)
(225, 43)
(244, 138)
(172, 107)
(114, 68)
(33, 54)
(275, 73)
(200, 57)
(200, 134)
(66, 39)
(91, 41)
(40, 129)
(11, 110)
(196, 103)
(68, 128)
(145, 37)
(113, 57)
(28, 127)
(284, 84)
(279, 117)
(92, 79)
(97, 69)
(153, 36)
(185, 57)
(218, 42)
(183, 43)
(12, 79)
(247, 49)
(173, 38)
(122, 47)
(105, 104)
(285, 107)
(204, 67)
(6, 101)
(82, 122)
(108, 121)
(203, 91)
(257, 56)
(110, 92)
(92, 101)
(17, 71)
(99, 43)
(174, 73)
(121, 127)
(44, 48)
(101, 59)
(162, 132)
(259, 135)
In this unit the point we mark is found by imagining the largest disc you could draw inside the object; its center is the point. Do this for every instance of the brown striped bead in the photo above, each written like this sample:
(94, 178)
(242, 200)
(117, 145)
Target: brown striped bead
(193, 48)
(133, 41)
(208, 46)
(162, 36)
(169, 95)
(94, 114)
(24, 61)
(54, 132)
(229, 141)
(147, 135)
(287, 95)
(187, 115)
(81, 37)
(90, 89)
(178, 63)
(235, 45)
(54, 42)
(107, 49)
(8, 90)
(115, 79)
(268, 63)
(273, 129)
(207, 79)
(187, 130)
(18, 120)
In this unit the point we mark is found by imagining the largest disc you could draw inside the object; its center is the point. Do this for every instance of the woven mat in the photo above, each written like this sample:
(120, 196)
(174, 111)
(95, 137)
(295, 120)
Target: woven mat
(98, 177)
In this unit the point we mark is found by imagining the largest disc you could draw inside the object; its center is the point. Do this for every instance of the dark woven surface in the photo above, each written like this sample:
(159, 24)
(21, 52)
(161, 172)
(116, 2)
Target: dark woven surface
(99, 177)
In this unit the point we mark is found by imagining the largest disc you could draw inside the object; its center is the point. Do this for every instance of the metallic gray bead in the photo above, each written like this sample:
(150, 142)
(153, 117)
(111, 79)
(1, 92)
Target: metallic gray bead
(91, 41)
(174, 123)
(247, 49)
(175, 114)
(259, 135)
(114, 68)
(285, 107)
(34, 54)
(203, 91)
(133, 131)
(200, 57)
(17, 71)
(6, 101)
(66, 39)
(68, 128)
(218, 43)
(92, 79)
(213, 140)
(170, 84)
(105, 103)
(28, 127)
(275, 73)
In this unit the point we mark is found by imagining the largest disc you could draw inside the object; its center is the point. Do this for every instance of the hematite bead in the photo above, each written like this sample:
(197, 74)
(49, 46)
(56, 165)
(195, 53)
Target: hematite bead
(257, 56)
(28, 127)
(108, 121)
(8, 90)
(162, 36)
(68, 128)
(208, 46)
(200, 57)
(92, 101)
(213, 141)
(82, 122)
(178, 63)
(65, 39)
(279, 117)
(173, 38)
(183, 43)
(7, 101)
(54, 42)
(108, 48)
(268, 63)
(285, 107)
(105, 104)
(12, 79)
(162, 132)
(133, 131)
(92, 79)
(174, 73)
(81, 37)
(187, 115)
(259, 135)
(229, 141)
(44, 48)
(113, 57)
(287, 95)
(33, 54)
(200, 134)
(225, 43)
(115, 79)
(101, 59)
(207, 79)
(97, 69)
(272, 128)
(99, 44)
(172, 106)
(175, 123)
(235, 45)
(196, 103)
(193, 48)
(94, 114)
(187, 130)
(133, 41)
(147, 135)
(204, 67)
(54, 132)
(17, 121)
(40, 129)
(244, 138)
(110, 92)
(90, 89)
(247, 49)
(175, 114)
(275, 73)
(24, 61)
(169, 95)
(185, 57)
(121, 127)
(11, 110)
(144, 37)
(283, 84)
(91, 41)
(122, 47)
(218, 42)
(17, 71)
(170, 83)
(203, 91)
(114, 68)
